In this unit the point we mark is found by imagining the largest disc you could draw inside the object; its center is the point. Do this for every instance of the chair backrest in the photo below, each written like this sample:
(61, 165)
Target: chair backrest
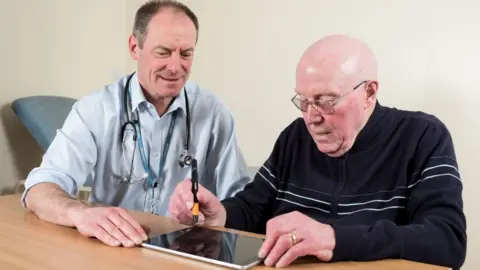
(43, 115)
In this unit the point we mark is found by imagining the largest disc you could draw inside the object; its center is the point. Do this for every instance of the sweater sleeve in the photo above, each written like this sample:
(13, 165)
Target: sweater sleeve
(250, 209)
(436, 232)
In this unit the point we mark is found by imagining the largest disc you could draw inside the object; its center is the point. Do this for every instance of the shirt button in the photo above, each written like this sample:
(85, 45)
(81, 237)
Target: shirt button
(155, 155)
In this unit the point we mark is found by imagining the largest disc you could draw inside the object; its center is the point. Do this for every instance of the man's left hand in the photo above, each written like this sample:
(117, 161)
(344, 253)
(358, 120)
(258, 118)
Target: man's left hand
(294, 235)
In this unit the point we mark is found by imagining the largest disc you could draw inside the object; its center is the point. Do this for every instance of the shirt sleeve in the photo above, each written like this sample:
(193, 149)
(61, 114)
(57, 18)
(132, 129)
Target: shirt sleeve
(72, 155)
(225, 160)
(436, 233)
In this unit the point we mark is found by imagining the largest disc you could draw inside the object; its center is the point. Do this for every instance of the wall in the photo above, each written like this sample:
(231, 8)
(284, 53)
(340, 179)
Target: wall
(53, 47)
(427, 52)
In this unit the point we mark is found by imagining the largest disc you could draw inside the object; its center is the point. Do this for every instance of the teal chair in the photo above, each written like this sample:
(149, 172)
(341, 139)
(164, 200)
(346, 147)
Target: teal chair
(42, 116)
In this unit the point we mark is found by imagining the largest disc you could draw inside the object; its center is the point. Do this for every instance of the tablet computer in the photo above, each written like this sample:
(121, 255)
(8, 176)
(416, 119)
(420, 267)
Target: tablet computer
(222, 248)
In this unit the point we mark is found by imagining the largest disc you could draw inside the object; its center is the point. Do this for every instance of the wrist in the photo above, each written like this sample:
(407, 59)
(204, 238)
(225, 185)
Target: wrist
(73, 209)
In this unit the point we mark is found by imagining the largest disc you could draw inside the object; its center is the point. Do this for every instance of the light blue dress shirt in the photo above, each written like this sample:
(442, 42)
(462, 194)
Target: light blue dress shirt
(89, 143)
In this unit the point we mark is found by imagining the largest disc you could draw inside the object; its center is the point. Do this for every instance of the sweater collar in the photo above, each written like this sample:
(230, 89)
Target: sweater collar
(372, 129)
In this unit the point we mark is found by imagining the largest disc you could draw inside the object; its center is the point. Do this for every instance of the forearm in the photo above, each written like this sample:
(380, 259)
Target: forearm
(434, 242)
(50, 203)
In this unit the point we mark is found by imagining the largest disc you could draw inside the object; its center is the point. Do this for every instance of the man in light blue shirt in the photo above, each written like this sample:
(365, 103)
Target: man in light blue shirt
(133, 135)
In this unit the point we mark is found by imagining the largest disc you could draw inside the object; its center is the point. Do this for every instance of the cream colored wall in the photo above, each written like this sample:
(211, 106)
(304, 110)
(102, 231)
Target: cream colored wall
(53, 47)
(428, 53)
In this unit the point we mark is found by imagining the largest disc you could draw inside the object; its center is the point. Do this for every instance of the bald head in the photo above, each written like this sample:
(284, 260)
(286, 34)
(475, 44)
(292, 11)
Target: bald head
(338, 74)
(340, 59)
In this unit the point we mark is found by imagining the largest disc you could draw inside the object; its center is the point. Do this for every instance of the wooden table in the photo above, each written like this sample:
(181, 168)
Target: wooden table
(29, 243)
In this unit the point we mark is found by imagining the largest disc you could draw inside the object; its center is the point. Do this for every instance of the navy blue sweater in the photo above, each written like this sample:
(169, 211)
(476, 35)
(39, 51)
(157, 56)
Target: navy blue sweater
(396, 194)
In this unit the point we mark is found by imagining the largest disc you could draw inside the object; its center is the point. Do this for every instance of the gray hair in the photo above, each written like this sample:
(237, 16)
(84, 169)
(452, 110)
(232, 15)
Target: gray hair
(151, 8)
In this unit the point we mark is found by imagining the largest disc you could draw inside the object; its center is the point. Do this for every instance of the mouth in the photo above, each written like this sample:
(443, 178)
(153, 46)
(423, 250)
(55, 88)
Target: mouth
(170, 79)
(320, 133)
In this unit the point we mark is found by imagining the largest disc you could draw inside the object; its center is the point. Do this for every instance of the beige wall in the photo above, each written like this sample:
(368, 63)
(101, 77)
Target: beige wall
(53, 47)
(427, 52)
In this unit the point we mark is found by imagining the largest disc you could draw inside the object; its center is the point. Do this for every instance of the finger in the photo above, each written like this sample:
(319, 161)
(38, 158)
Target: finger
(182, 207)
(115, 232)
(324, 255)
(276, 227)
(184, 218)
(98, 232)
(125, 227)
(184, 191)
(138, 228)
(280, 247)
(298, 250)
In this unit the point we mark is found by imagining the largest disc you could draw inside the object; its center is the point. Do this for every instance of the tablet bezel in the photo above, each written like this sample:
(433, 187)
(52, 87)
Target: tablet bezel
(254, 261)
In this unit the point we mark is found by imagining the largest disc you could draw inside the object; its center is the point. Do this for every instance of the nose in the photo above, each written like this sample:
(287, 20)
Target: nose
(312, 116)
(173, 64)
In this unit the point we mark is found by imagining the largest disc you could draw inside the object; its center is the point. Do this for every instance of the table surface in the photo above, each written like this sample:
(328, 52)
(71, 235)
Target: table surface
(30, 243)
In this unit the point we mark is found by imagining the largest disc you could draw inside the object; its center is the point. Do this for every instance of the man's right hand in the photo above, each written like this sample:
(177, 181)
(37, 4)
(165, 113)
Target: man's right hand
(111, 225)
(212, 212)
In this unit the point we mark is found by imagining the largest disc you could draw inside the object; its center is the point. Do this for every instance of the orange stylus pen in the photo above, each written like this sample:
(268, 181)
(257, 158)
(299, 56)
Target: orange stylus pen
(195, 208)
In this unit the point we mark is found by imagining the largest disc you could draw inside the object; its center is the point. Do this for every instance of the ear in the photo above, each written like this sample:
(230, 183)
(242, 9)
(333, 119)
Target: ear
(133, 47)
(371, 93)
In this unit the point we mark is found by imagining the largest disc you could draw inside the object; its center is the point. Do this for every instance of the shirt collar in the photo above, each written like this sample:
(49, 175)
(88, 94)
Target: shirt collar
(138, 97)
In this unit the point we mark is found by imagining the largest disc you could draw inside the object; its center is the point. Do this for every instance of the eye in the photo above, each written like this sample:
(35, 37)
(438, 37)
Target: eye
(186, 55)
(163, 54)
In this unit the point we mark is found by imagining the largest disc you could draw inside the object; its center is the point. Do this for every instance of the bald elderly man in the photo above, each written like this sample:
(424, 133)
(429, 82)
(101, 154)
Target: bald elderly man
(351, 180)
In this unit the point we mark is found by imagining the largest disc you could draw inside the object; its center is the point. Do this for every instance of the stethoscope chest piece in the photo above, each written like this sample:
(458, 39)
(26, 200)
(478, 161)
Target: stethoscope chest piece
(185, 159)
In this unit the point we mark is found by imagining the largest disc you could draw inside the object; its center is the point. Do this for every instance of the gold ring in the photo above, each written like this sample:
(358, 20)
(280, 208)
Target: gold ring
(293, 239)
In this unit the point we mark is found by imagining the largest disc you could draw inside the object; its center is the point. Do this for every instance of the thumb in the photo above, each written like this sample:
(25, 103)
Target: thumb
(324, 255)
(207, 199)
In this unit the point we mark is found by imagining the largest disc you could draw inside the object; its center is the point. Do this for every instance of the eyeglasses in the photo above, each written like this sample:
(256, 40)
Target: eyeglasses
(321, 106)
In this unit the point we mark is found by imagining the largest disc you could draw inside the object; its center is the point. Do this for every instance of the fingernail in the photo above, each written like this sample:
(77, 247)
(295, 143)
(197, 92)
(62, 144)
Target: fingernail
(268, 262)
(261, 254)
(129, 243)
(115, 242)
(189, 205)
(145, 237)
(138, 241)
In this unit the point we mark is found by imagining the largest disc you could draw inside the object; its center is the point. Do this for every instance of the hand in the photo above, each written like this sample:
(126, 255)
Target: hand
(312, 238)
(212, 212)
(111, 225)
(198, 241)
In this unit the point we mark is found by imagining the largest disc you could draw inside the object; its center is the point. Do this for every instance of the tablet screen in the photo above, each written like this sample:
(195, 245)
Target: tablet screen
(226, 248)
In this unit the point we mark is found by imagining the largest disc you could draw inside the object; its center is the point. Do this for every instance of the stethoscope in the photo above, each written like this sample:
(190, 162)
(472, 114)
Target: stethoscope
(185, 158)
